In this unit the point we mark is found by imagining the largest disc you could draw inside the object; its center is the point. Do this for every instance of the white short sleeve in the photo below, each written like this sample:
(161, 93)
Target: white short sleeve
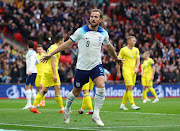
(106, 39)
(76, 36)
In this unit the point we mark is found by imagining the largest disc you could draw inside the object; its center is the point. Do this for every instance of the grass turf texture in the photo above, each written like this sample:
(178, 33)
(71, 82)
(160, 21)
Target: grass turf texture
(161, 116)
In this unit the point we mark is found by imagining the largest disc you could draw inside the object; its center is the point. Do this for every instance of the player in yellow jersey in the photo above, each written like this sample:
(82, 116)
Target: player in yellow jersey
(87, 99)
(51, 77)
(147, 73)
(40, 72)
(129, 70)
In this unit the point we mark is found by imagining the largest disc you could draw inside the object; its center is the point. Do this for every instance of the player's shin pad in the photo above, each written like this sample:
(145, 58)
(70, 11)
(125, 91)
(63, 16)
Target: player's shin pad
(144, 95)
(153, 92)
(88, 101)
(130, 97)
(125, 98)
(38, 99)
(59, 101)
(70, 99)
(99, 98)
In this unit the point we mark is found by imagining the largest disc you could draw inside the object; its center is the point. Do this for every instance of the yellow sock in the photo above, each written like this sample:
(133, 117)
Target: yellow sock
(125, 98)
(88, 102)
(147, 90)
(38, 99)
(83, 104)
(130, 97)
(153, 92)
(144, 94)
(59, 101)
(43, 99)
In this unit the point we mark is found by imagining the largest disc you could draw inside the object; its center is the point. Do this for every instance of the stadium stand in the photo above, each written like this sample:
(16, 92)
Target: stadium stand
(156, 27)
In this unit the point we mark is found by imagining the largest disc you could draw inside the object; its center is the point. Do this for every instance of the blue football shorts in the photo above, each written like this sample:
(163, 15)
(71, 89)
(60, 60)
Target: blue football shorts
(82, 76)
(30, 79)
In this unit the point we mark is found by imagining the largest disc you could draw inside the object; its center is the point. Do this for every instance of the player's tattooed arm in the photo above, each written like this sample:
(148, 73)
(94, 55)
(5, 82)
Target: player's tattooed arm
(113, 54)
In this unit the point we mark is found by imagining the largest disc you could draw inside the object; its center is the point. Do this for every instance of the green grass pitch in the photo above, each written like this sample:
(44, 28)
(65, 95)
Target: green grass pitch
(161, 116)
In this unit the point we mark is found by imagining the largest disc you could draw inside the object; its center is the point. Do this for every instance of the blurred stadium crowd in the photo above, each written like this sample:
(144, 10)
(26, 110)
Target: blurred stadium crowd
(155, 25)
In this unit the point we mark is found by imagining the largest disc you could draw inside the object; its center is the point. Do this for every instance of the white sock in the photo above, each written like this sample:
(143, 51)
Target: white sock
(91, 110)
(99, 100)
(33, 93)
(70, 99)
(33, 106)
(28, 96)
(133, 105)
(122, 105)
(61, 109)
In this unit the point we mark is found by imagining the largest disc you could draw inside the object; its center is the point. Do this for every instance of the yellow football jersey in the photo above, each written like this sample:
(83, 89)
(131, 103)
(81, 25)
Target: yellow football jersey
(40, 66)
(148, 67)
(48, 67)
(130, 56)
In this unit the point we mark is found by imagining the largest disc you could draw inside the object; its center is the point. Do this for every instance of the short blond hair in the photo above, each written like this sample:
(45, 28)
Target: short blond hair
(130, 37)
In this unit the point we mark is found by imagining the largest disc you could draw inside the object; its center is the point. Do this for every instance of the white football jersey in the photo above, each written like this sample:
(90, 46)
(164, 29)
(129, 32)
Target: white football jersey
(31, 61)
(89, 46)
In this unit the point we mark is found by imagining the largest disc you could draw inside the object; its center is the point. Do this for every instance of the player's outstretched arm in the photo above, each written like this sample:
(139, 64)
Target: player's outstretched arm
(113, 53)
(62, 47)
(118, 70)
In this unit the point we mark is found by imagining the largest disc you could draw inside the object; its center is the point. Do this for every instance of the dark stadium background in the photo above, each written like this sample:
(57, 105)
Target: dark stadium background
(155, 23)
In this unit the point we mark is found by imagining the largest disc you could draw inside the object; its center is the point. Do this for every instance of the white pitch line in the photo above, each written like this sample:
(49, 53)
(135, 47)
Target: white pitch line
(140, 126)
(90, 128)
(142, 113)
(50, 127)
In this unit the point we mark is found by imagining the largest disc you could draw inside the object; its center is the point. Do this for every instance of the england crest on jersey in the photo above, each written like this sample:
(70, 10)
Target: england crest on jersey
(100, 38)
(77, 84)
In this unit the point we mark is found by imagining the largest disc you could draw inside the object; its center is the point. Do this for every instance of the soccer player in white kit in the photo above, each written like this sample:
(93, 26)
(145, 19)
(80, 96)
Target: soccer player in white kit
(90, 39)
(31, 61)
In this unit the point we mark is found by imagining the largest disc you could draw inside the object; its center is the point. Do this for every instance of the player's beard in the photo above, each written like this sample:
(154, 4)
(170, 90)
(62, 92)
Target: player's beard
(94, 25)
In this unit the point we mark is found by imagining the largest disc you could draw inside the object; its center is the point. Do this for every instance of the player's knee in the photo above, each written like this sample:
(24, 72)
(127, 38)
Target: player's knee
(27, 87)
(86, 91)
(129, 88)
(44, 92)
(101, 85)
(100, 91)
(76, 93)
(57, 92)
